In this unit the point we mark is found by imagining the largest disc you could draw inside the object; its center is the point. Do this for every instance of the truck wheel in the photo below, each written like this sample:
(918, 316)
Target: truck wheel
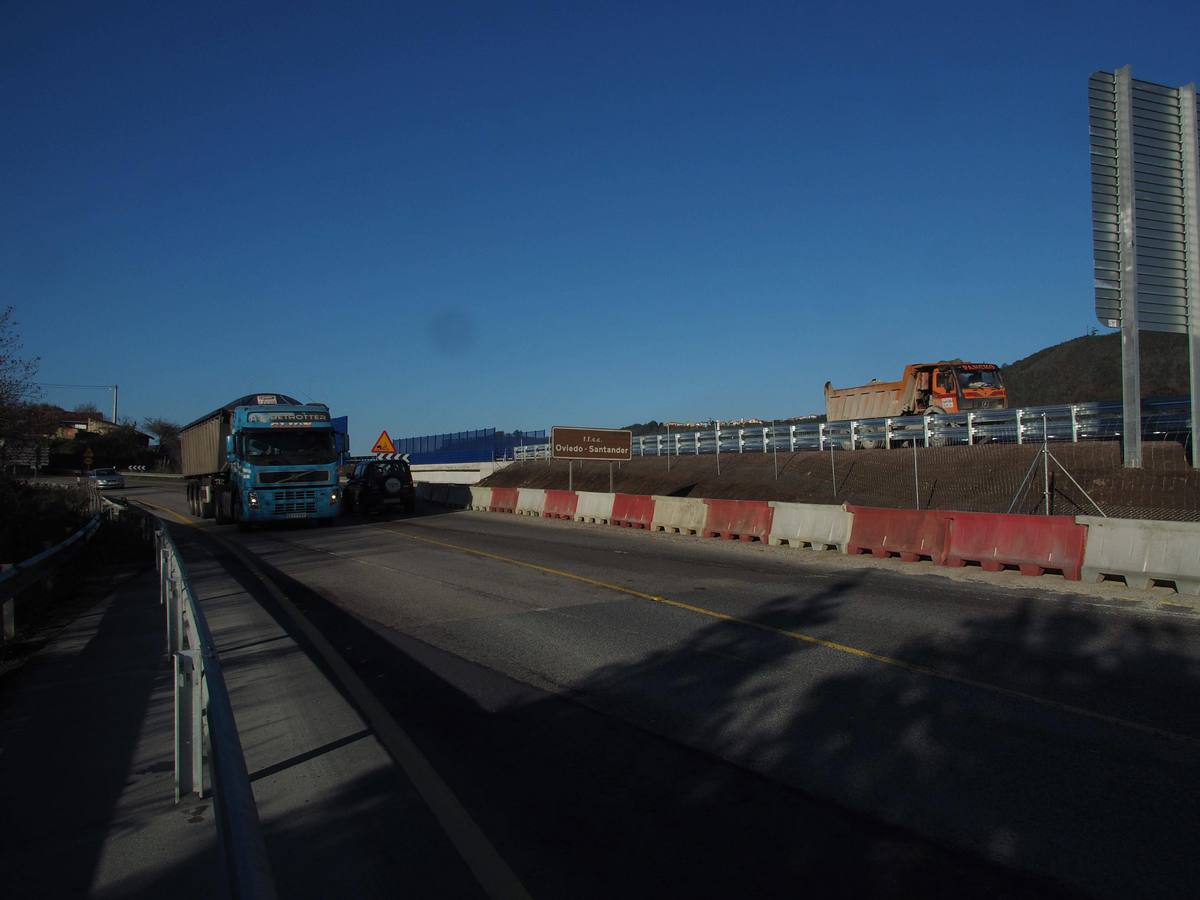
(205, 508)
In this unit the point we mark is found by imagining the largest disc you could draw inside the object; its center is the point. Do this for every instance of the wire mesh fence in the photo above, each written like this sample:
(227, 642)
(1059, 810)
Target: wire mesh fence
(1033, 477)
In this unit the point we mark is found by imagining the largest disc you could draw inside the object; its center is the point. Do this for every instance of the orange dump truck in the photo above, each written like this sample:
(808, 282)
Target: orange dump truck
(948, 387)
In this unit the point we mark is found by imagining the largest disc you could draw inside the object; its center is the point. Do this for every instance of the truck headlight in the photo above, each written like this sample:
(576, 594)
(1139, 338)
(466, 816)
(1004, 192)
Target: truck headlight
(252, 498)
(334, 496)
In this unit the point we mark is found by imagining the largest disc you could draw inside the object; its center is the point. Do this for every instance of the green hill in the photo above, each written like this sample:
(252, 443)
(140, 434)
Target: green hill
(1089, 368)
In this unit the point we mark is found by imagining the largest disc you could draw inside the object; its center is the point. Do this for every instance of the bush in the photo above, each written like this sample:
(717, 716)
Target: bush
(36, 516)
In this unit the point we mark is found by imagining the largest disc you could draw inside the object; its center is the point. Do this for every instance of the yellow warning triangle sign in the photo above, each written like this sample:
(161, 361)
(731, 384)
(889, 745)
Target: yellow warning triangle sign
(384, 444)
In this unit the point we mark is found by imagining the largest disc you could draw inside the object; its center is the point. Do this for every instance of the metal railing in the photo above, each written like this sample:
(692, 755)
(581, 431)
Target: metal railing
(38, 572)
(205, 729)
(1161, 419)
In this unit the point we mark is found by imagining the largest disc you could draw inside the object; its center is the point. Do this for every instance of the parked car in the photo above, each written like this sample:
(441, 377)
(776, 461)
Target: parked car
(107, 478)
(379, 484)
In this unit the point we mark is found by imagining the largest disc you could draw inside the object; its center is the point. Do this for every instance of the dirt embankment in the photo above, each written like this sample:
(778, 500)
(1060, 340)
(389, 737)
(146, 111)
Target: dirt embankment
(986, 478)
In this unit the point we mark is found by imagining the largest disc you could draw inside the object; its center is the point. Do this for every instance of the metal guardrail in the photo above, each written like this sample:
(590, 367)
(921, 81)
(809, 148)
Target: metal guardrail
(1161, 419)
(205, 729)
(39, 570)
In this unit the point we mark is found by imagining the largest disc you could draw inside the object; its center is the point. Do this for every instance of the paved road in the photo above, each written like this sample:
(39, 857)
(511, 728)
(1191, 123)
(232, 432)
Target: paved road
(637, 714)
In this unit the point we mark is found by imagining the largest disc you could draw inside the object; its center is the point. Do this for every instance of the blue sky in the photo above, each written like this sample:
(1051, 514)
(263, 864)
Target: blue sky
(444, 216)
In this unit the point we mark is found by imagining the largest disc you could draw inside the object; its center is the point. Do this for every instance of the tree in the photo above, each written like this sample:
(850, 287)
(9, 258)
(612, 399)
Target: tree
(167, 433)
(88, 409)
(16, 384)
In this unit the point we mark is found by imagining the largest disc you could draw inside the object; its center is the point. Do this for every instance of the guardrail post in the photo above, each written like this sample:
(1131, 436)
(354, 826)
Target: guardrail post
(821, 437)
(1020, 428)
(658, 445)
(189, 724)
(696, 443)
(1074, 426)
(887, 434)
(925, 428)
(792, 438)
(854, 435)
(971, 428)
(765, 439)
(741, 440)
(8, 611)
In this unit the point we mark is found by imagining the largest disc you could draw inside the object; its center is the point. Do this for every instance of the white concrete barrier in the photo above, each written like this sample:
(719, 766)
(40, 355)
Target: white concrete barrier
(819, 526)
(481, 497)
(1142, 551)
(680, 515)
(530, 501)
(594, 507)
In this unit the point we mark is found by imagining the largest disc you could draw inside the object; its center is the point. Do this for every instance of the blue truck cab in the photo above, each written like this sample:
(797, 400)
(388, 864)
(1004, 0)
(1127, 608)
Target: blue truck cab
(264, 458)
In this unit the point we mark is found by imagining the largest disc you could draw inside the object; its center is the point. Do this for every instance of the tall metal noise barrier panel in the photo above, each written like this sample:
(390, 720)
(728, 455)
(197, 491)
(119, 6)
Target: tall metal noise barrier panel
(1146, 241)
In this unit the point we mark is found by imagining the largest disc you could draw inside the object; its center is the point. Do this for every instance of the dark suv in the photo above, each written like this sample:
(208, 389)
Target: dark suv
(378, 484)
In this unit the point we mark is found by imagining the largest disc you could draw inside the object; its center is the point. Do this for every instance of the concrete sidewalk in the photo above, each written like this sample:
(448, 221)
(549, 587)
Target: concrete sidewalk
(87, 791)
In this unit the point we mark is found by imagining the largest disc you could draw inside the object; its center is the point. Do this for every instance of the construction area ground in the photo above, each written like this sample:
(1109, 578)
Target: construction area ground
(986, 478)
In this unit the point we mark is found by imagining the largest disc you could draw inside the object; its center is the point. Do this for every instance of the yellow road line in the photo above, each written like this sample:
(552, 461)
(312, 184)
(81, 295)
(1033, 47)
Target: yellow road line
(170, 512)
(815, 641)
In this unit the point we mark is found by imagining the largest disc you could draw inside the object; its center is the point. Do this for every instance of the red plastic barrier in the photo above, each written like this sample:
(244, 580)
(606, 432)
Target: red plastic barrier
(910, 533)
(1032, 543)
(746, 520)
(560, 505)
(632, 510)
(504, 500)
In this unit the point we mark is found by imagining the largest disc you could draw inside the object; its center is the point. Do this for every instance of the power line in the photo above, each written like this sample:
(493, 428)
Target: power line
(107, 387)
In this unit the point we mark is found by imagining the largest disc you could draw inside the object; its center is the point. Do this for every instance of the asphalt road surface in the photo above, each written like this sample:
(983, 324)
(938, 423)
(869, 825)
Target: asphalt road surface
(642, 715)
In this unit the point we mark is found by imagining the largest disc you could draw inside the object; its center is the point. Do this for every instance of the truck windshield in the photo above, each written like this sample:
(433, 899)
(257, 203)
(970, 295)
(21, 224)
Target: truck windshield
(979, 379)
(288, 448)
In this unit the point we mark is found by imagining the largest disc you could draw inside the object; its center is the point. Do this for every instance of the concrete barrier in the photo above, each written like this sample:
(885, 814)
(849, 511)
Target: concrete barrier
(530, 501)
(481, 497)
(504, 499)
(908, 533)
(632, 510)
(1142, 552)
(594, 507)
(745, 520)
(818, 526)
(560, 505)
(679, 515)
(1031, 543)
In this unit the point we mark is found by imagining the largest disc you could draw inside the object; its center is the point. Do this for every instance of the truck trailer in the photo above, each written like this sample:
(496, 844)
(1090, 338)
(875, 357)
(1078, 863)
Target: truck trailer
(950, 386)
(262, 458)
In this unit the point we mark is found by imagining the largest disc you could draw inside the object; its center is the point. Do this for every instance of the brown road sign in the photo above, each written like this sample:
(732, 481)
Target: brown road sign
(591, 443)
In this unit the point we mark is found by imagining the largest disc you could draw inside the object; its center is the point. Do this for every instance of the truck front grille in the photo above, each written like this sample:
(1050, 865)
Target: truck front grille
(294, 503)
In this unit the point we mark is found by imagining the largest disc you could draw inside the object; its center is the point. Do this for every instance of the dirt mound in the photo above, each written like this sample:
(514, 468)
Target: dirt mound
(986, 478)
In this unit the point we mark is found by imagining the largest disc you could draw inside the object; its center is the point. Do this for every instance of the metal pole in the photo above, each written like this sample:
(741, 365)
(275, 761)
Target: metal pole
(1131, 376)
(1045, 464)
(1191, 199)
(610, 478)
(833, 469)
(668, 448)
(916, 477)
(115, 391)
(570, 474)
(717, 433)
(775, 449)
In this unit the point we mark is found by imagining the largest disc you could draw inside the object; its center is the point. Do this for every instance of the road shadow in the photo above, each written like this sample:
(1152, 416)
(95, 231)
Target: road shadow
(652, 778)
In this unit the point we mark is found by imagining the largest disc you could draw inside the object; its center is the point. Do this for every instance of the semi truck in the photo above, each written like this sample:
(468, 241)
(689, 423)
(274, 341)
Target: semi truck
(263, 458)
(949, 386)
